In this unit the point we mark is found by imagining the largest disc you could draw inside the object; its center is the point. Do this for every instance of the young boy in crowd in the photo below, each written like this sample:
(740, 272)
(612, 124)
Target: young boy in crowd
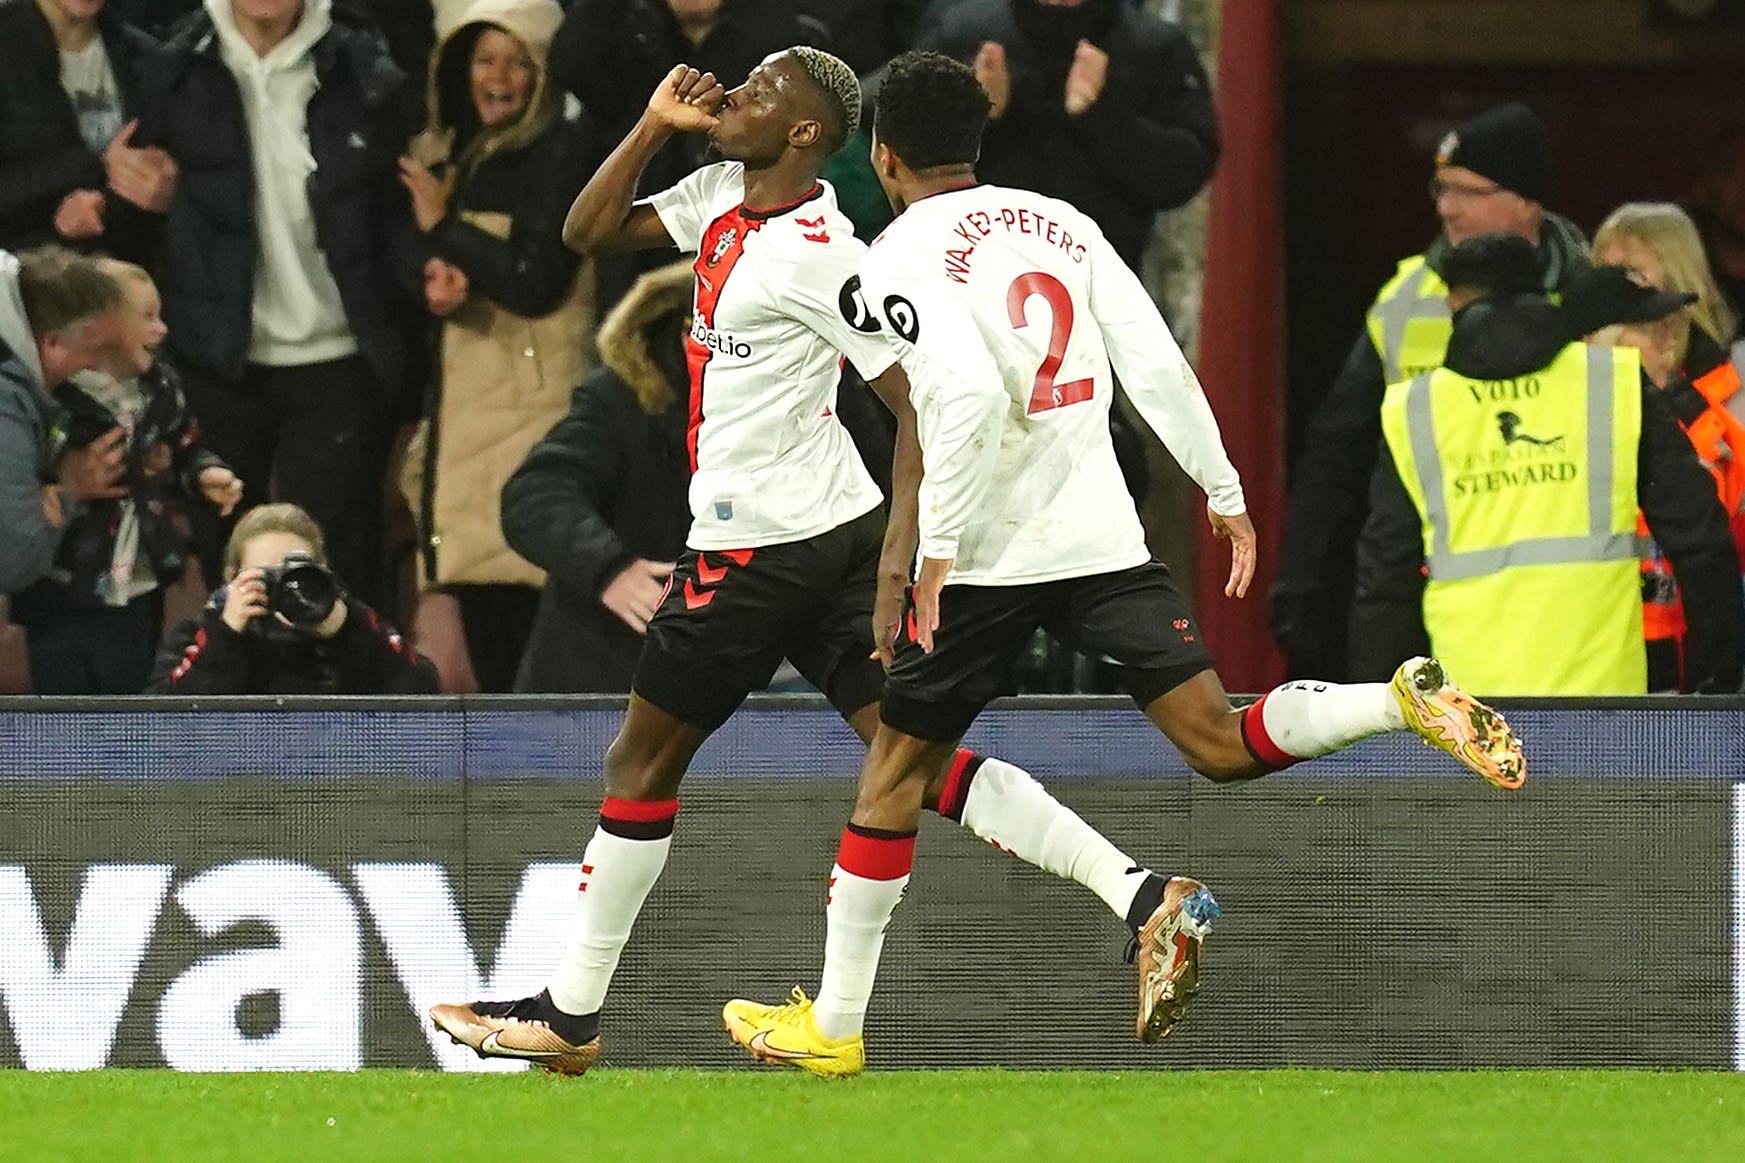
(95, 620)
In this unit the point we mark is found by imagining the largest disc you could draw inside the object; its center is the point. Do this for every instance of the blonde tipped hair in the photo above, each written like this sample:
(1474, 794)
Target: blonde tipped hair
(836, 80)
(1668, 232)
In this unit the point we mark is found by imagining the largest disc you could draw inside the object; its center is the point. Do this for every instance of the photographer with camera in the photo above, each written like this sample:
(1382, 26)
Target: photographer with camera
(282, 624)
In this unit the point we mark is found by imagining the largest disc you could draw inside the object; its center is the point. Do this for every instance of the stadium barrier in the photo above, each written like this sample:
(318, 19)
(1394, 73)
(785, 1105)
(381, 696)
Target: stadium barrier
(287, 884)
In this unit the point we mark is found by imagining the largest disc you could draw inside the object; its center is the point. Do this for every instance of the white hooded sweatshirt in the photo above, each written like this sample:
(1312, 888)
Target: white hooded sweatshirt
(298, 316)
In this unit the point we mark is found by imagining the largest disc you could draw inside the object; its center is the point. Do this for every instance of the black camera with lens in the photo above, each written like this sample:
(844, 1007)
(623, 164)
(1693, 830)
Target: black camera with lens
(301, 591)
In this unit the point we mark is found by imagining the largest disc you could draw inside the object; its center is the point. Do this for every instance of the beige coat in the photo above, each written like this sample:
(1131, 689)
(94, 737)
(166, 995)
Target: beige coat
(505, 378)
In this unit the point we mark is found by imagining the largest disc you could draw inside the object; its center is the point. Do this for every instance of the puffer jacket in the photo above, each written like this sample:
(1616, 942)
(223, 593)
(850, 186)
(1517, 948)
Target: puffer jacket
(605, 487)
(357, 122)
(42, 156)
(512, 353)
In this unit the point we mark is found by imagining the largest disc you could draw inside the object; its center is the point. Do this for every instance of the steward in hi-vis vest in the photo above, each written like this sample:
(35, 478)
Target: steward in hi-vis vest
(1526, 489)
(1491, 174)
(1502, 535)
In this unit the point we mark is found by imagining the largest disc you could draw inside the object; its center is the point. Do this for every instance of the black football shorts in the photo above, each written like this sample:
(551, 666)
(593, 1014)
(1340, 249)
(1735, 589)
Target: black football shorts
(730, 616)
(1135, 617)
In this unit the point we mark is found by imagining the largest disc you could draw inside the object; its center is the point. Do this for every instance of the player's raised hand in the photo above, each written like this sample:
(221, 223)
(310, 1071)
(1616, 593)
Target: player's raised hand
(928, 583)
(1239, 531)
(687, 100)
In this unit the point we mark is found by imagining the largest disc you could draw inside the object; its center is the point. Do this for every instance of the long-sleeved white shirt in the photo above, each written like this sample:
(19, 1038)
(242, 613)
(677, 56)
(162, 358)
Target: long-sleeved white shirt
(1011, 309)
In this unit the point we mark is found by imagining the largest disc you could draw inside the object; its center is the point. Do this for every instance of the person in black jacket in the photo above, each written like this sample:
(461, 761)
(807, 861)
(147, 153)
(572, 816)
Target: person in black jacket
(600, 503)
(94, 621)
(866, 33)
(242, 645)
(1505, 327)
(612, 53)
(155, 17)
(289, 262)
(69, 169)
(1094, 103)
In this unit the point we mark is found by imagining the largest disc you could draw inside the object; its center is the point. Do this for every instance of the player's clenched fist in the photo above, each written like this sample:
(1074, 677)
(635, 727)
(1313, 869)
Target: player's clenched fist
(687, 100)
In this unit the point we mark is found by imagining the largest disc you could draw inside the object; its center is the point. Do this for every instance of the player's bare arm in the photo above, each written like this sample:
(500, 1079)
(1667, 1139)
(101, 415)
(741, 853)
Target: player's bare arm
(1239, 531)
(603, 216)
(902, 531)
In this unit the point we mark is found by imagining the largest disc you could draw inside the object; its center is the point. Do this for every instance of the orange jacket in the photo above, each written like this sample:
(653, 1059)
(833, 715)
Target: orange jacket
(1718, 435)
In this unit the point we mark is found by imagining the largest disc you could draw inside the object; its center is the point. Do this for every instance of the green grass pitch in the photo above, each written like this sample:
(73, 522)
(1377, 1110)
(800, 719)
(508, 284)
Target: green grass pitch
(688, 1116)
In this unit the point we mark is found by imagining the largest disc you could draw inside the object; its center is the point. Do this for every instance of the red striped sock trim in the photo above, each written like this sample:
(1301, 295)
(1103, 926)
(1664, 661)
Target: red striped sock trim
(638, 811)
(1259, 743)
(874, 857)
(956, 790)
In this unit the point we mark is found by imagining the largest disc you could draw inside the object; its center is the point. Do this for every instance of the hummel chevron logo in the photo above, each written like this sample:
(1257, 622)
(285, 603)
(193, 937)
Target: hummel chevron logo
(696, 599)
(814, 229)
(759, 1044)
(489, 1045)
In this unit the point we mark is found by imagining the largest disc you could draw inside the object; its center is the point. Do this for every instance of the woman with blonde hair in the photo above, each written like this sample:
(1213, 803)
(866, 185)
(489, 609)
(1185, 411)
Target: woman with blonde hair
(1698, 361)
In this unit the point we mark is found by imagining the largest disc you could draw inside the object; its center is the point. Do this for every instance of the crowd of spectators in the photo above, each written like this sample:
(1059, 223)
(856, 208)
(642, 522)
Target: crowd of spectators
(351, 210)
(268, 249)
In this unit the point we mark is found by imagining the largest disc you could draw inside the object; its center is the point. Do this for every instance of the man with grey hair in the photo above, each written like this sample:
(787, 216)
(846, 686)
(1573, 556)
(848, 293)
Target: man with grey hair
(57, 316)
(788, 553)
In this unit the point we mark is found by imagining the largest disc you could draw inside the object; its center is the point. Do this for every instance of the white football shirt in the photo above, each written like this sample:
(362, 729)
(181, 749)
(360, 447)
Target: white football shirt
(1009, 309)
(775, 312)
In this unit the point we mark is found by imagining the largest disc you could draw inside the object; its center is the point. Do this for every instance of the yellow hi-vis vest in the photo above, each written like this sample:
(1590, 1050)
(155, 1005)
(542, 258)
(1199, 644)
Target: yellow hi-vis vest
(1409, 323)
(1526, 490)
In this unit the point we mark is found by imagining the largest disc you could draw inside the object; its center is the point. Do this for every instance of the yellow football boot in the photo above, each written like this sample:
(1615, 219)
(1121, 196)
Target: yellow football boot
(1448, 718)
(786, 1035)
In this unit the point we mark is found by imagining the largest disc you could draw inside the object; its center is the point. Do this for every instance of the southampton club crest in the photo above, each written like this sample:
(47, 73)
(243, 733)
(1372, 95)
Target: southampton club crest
(723, 243)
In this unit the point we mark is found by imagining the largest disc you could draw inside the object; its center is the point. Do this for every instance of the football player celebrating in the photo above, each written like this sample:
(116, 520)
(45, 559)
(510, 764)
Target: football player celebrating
(788, 547)
(1011, 311)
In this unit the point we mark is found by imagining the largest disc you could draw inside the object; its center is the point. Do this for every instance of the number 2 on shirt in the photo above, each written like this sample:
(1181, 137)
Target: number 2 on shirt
(1046, 393)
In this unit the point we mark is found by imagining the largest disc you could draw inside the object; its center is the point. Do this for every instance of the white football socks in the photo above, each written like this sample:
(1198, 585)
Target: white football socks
(617, 873)
(1301, 720)
(856, 914)
(1006, 806)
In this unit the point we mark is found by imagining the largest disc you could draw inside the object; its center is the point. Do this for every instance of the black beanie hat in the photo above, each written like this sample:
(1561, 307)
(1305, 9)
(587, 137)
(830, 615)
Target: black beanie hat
(1507, 144)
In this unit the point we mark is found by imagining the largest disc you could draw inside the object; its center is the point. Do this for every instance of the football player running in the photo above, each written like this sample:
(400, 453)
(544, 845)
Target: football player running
(1013, 314)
